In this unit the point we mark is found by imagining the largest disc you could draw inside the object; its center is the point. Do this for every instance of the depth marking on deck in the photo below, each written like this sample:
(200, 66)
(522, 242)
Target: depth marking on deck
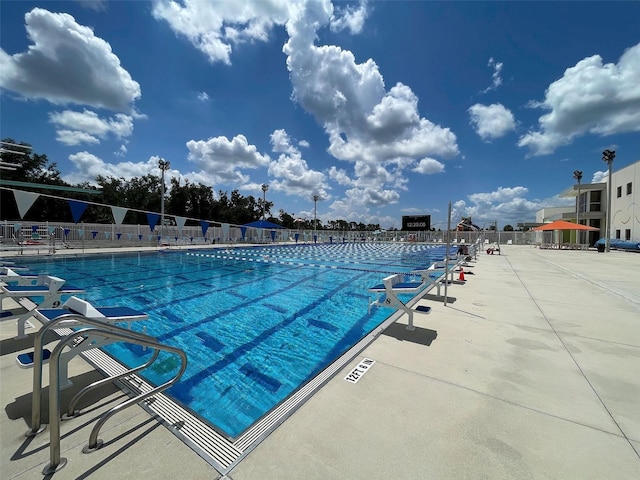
(359, 370)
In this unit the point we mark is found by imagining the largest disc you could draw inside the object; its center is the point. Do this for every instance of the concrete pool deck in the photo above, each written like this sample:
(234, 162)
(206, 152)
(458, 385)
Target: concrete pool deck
(533, 372)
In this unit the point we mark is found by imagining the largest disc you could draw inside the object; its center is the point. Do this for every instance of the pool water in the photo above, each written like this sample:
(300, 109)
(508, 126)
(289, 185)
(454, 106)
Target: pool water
(256, 323)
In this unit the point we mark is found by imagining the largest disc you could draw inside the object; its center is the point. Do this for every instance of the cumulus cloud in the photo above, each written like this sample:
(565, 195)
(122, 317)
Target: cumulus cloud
(215, 27)
(89, 166)
(379, 131)
(224, 159)
(350, 18)
(429, 166)
(203, 96)
(75, 128)
(67, 63)
(491, 121)
(591, 97)
(290, 171)
(506, 203)
(599, 177)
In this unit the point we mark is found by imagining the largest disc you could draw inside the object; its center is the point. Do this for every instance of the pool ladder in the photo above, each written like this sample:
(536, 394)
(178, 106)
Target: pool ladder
(92, 334)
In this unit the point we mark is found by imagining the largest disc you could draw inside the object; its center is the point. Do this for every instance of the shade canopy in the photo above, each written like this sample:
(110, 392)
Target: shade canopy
(563, 225)
(262, 224)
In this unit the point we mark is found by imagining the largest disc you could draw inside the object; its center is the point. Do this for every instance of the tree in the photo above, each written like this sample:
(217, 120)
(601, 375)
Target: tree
(508, 228)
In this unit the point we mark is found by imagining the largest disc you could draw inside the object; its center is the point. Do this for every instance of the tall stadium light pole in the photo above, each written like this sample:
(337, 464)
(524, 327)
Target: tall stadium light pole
(164, 166)
(265, 187)
(577, 174)
(315, 214)
(608, 156)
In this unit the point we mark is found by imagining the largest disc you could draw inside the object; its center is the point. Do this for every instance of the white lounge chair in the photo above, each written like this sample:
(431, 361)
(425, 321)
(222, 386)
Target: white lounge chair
(50, 289)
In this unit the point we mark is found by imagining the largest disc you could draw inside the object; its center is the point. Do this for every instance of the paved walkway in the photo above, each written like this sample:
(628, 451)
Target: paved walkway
(532, 373)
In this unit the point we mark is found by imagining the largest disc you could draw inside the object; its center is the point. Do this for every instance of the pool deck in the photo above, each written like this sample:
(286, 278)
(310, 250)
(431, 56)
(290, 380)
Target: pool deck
(533, 372)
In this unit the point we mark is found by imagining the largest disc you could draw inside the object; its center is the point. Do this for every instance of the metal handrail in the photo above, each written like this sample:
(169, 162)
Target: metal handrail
(72, 319)
(71, 409)
(56, 462)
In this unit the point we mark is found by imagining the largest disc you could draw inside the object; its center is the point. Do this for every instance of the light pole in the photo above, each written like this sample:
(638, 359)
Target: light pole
(608, 156)
(265, 187)
(164, 166)
(315, 216)
(577, 174)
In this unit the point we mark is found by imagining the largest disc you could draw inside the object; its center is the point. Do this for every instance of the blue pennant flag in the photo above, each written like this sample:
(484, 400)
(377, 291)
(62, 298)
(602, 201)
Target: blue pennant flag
(77, 209)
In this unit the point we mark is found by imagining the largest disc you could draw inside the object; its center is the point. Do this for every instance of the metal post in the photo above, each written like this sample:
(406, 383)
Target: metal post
(265, 187)
(577, 174)
(608, 156)
(315, 221)
(164, 166)
(446, 257)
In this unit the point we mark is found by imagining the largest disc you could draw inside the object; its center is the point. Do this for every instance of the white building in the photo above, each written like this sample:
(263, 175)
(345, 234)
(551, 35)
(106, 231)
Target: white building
(592, 206)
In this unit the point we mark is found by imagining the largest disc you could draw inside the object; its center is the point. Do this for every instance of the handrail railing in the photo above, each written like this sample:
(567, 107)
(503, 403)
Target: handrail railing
(71, 408)
(104, 331)
(70, 319)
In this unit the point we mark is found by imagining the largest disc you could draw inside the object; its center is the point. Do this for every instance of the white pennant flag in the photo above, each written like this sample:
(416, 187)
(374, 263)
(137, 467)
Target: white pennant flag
(24, 201)
(118, 214)
(180, 221)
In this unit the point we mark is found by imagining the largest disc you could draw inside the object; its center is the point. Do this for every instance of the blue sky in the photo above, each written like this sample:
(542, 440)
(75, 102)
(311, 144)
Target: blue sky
(382, 109)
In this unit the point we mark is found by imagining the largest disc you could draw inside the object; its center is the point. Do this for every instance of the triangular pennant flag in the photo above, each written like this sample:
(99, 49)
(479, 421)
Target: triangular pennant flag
(243, 231)
(225, 231)
(51, 230)
(273, 235)
(106, 235)
(296, 236)
(180, 221)
(118, 214)
(77, 209)
(153, 220)
(118, 235)
(204, 225)
(66, 232)
(94, 235)
(81, 232)
(34, 228)
(140, 237)
(24, 201)
(17, 226)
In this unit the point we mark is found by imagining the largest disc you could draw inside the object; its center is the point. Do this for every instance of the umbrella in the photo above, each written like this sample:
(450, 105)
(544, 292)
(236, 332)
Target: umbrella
(262, 224)
(563, 225)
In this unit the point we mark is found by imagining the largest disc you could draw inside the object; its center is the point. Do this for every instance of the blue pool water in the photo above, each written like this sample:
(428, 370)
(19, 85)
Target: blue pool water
(256, 323)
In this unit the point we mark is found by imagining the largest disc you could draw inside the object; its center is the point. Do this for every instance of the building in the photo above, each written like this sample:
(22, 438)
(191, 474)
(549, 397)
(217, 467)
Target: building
(591, 202)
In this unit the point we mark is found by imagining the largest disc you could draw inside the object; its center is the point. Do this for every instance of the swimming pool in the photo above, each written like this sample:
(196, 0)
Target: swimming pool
(257, 323)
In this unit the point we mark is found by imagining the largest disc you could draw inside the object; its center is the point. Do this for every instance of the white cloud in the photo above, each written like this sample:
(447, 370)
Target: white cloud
(96, 5)
(591, 97)
(507, 205)
(350, 18)
(428, 166)
(213, 27)
(121, 152)
(599, 177)
(203, 96)
(291, 172)
(223, 159)
(379, 131)
(497, 80)
(340, 176)
(67, 63)
(89, 166)
(491, 121)
(74, 128)
(75, 137)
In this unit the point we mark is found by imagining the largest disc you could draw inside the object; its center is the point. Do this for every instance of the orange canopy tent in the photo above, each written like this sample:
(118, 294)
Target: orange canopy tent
(563, 225)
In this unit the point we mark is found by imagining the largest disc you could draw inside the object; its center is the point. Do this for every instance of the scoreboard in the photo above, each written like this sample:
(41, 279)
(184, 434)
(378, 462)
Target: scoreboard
(416, 223)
